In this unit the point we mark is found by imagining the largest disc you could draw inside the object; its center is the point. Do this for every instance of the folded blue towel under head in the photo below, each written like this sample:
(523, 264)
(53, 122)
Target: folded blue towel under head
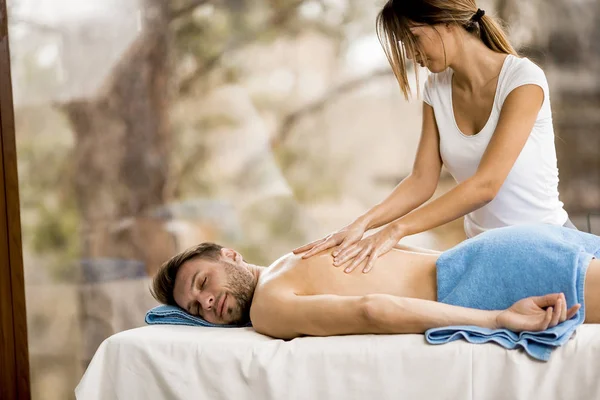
(497, 268)
(172, 315)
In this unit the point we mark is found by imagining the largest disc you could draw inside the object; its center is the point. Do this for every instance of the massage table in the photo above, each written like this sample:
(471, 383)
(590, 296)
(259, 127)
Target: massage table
(184, 362)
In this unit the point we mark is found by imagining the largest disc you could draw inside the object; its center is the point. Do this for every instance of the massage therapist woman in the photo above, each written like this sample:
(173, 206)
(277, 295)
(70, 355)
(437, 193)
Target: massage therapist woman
(486, 117)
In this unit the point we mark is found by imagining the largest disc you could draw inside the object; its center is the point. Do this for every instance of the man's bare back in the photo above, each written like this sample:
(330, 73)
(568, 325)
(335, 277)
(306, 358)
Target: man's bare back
(400, 273)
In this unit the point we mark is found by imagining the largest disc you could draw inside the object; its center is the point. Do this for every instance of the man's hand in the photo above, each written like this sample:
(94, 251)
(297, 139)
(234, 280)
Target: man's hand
(536, 313)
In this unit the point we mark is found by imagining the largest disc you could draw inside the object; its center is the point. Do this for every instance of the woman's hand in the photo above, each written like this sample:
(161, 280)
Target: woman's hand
(346, 236)
(369, 248)
(536, 313)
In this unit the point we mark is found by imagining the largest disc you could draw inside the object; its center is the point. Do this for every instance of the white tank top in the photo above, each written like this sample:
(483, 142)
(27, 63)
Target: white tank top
(530, 192)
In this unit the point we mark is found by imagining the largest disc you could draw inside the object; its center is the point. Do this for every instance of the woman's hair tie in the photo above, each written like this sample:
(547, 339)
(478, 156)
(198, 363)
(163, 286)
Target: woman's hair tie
(478, 15)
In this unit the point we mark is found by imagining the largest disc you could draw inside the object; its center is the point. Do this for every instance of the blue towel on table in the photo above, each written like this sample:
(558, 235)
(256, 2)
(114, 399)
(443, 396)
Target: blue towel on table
(172, 315)
(501, 266)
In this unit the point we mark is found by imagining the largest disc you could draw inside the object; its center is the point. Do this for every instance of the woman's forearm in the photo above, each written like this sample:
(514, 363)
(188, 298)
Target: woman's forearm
(406, 196)
(466, 197)
(393, 314)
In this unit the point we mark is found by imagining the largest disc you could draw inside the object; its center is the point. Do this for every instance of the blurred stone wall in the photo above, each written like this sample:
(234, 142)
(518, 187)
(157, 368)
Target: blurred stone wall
(563, 36)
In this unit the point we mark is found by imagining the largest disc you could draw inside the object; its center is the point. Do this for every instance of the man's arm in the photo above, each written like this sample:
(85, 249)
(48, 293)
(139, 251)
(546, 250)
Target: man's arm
(326, 315)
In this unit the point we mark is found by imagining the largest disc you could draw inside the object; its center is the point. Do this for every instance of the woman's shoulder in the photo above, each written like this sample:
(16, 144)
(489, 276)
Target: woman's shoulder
(520, 71)
(522, 68)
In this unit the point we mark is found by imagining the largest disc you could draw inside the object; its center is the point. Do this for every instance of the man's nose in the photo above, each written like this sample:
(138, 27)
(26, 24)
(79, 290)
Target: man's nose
(207, 301)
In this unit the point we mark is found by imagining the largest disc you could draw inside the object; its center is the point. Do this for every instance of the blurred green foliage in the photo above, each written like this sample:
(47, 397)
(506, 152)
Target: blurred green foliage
(49, 214)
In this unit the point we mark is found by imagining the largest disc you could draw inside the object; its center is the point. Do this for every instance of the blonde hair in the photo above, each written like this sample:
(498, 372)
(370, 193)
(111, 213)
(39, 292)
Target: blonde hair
(397, 16)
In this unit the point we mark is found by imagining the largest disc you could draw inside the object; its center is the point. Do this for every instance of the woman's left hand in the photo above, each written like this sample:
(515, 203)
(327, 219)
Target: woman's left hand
(369, 248)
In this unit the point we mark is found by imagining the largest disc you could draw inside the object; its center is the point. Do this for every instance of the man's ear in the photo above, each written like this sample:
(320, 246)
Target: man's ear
(230, 254)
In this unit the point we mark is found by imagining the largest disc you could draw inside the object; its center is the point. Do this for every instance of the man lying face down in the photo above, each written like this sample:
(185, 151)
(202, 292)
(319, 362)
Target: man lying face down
(524, 278)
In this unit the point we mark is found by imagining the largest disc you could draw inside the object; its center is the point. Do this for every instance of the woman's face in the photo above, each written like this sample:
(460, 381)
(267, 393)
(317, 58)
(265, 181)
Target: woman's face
(435, 42)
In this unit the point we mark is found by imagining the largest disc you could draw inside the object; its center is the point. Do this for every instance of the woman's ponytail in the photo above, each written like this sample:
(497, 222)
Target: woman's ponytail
(493, 36)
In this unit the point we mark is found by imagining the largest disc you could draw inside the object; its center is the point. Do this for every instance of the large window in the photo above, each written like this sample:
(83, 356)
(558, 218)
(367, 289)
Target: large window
(147, 126)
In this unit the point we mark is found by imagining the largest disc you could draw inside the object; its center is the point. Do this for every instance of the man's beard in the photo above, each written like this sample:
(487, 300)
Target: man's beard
(240, 285)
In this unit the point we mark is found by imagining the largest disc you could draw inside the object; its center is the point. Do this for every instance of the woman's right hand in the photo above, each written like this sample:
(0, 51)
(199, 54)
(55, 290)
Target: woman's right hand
(347, 236)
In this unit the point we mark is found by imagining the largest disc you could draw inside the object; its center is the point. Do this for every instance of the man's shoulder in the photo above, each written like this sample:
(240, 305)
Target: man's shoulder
(285, 259)
(269, 302)
(272, 286)
(278, 286)
(291, 268)
(271, 276)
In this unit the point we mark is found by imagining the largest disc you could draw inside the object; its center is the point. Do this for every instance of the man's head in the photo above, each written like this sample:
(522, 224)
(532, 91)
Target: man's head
(208, 281)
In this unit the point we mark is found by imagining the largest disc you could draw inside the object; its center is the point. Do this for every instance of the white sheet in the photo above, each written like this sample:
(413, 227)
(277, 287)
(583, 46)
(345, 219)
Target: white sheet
(180, 362)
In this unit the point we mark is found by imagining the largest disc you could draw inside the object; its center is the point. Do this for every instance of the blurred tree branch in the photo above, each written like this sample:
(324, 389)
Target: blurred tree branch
(185, 168)
(188, 8)
(239, 41)
(320, 104)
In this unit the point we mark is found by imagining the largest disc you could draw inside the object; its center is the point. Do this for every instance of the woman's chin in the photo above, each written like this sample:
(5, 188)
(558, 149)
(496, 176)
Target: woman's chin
(435, 68)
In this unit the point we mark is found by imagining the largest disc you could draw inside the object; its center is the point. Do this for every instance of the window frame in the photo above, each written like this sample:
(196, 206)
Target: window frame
(14, 354)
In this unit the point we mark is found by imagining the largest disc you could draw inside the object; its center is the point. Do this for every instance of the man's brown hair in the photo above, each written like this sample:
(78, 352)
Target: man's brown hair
(164, 280)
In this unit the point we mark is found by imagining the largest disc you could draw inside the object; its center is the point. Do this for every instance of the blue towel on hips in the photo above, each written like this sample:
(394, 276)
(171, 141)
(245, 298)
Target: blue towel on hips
(172, 315)
(501, 266)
